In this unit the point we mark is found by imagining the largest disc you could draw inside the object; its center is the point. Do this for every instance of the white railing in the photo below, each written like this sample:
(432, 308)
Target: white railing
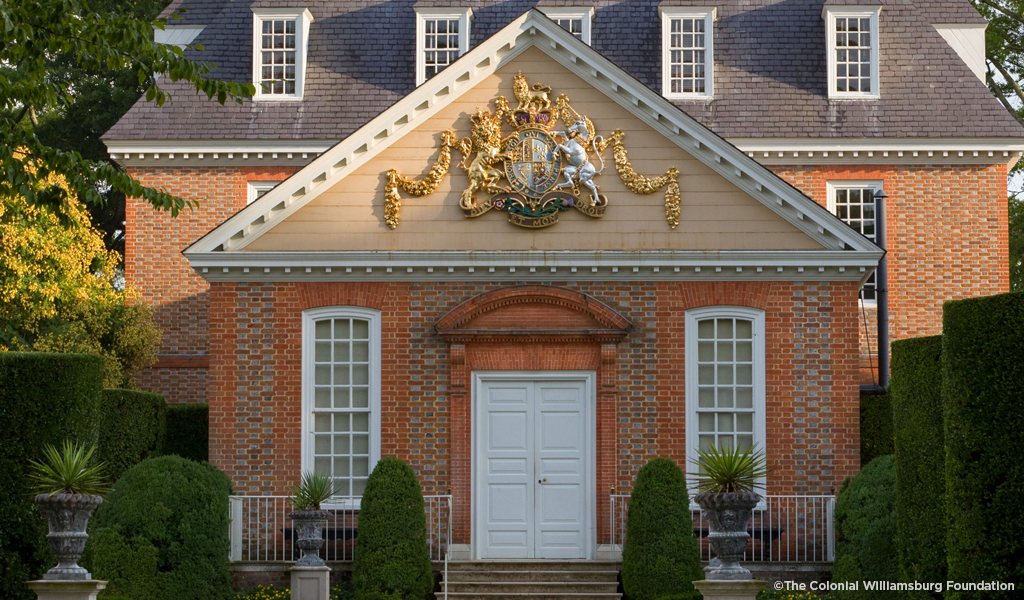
(782, 529)
(261, 531)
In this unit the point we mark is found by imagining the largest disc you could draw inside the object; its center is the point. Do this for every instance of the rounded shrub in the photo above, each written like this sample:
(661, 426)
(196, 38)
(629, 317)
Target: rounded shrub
(45, 399)
(866, 530)
(983, 406)
(162, 532)
(661, 557)
(391, 560)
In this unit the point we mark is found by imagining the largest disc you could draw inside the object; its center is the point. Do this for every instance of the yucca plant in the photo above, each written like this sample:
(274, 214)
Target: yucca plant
(68, 471)
(729, 469)
(313, 489)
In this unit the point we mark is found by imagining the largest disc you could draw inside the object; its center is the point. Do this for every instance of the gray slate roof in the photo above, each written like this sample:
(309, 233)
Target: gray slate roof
(770, 66)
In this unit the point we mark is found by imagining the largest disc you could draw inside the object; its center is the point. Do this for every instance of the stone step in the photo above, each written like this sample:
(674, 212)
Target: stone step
(567, 576)
(516, 588)
(531, 596)
(534, 565)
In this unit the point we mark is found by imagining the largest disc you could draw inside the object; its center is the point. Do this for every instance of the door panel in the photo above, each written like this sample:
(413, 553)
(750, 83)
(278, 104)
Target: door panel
(532, 471)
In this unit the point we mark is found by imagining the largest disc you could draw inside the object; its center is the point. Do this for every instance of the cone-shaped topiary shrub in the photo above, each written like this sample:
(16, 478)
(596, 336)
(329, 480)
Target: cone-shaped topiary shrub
(866, 530)
(391, 560)
(661, 558)
(162, 532)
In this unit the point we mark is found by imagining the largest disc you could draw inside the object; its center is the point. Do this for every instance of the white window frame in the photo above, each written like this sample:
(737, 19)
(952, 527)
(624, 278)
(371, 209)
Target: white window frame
(757, 316)
(255, 187)
(309, 319)
(585, 14)
(428, 13)
(830, 13)
(832, 187)
(710, 15)
(303, 19)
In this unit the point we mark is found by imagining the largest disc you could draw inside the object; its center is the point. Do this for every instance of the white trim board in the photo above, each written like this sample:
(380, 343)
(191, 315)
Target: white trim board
(510, 265)
(532, 29)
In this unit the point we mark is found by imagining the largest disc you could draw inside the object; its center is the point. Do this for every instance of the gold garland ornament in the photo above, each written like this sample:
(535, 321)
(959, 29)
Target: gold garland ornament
(638, 184)
(392, 199)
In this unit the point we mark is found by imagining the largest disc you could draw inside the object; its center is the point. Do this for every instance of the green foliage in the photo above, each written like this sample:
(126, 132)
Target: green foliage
(35, 33)
(162, 533)
(70, 470)
(266, 592)
(725, 470)
(188, 427)
(391, 560)
(1016, 215)
(313, 489)
(866, 530)
(44, 399)
(983, 401)
(916, 393)
(1004, 44)
(132, 429)
(770, 594)
(875, 427)
(661, 557)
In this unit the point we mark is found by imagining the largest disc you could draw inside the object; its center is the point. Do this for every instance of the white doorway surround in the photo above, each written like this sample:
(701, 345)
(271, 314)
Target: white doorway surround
(534, 465)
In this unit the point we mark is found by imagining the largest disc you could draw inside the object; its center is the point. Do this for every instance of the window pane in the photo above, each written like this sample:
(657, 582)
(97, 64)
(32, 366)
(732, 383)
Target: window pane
(725, 397)
(341, 397)
(322, 397)
(686, 55)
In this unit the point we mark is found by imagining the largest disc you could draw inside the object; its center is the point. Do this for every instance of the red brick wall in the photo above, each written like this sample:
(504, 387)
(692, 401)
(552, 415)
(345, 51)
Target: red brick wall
(155, 267)
(812, 391)
(947, 234)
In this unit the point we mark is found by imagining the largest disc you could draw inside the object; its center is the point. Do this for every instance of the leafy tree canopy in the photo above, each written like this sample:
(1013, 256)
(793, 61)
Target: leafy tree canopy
(53, 54)
(57, 291)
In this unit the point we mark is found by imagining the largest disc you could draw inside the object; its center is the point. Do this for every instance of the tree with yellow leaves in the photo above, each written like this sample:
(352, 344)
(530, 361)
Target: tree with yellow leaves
(57, 291)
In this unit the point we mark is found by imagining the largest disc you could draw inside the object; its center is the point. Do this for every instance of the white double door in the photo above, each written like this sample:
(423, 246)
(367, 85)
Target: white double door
(534, 435)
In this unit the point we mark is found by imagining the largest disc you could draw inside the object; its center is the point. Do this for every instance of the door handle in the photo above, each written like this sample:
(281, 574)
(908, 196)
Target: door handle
(542, 480)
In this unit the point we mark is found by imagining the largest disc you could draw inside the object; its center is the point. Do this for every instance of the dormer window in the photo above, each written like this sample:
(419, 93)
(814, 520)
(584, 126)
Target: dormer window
(574, 19)
(687, 45)
(442, 36)
(280, 39)
(852, 51)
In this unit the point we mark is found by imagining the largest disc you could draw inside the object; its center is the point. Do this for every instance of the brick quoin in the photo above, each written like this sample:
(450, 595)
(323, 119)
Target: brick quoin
(155, 267)
(811, 367)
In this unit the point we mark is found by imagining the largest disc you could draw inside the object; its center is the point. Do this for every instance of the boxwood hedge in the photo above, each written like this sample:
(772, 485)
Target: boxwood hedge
(875, 427)
(44, 399)
(132, 428)
(916, 392)
(661, 557)
(162, 533)
(983, 399)
(391, 561)
(187, 432)
(866, 530)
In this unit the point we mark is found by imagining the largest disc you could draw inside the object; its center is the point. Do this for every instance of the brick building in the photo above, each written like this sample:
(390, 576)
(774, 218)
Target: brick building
(355, 284)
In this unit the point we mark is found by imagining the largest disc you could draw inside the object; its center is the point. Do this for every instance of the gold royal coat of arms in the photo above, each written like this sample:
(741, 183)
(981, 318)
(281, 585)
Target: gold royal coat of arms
(546, 170)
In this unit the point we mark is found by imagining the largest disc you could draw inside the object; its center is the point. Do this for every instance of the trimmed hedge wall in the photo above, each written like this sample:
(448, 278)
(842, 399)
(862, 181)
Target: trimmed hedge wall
(188, 430)
(132, 428)
(983, 397)
(162, 532)
(44, 399)
(661, 558)
(866, 530)
(875, 427)
(916, 391)
(391, 560)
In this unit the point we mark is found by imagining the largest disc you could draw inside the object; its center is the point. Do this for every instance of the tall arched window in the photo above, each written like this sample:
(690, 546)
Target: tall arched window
(725, 378)
(341, 395)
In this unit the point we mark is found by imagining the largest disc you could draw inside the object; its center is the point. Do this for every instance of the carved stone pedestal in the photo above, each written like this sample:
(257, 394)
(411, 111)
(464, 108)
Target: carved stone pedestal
(82, 589)
(311, 583)
(729, 590)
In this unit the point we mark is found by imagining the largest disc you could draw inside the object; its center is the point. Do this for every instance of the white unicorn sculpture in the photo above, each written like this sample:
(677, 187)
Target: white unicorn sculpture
(579, 168)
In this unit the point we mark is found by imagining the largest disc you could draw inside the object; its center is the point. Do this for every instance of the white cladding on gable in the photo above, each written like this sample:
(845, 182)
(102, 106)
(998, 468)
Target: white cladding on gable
(969, 43)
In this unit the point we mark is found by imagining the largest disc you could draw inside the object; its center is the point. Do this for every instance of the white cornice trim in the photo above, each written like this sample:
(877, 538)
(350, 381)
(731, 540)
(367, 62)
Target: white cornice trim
(666, 265)
(532, 30)
(882, 150)
(215, 153)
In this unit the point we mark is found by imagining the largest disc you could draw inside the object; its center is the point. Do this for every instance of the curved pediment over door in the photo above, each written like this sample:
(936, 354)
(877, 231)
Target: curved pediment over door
(533, 313)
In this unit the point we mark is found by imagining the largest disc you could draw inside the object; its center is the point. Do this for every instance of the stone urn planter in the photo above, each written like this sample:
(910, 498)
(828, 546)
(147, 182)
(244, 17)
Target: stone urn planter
(728, 515)
(67, 516)
(308, 528)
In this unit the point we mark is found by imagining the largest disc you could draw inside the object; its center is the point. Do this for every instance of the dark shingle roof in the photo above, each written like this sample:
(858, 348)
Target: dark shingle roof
(951, 12)
(769, 72)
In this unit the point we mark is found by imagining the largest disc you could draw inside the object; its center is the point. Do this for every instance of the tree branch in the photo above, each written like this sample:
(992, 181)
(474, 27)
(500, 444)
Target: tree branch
(1009, 80)
(1003, 10)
